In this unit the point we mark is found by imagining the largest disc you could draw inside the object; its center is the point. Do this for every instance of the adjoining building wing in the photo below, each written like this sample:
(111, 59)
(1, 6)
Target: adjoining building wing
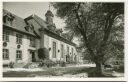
(23, 38)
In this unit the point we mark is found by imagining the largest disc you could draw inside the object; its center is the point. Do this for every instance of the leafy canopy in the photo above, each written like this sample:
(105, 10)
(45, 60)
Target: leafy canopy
(98, 25)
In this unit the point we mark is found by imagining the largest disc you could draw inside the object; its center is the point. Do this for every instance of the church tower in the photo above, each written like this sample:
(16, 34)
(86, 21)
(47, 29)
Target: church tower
(49, 20)
(49, 17)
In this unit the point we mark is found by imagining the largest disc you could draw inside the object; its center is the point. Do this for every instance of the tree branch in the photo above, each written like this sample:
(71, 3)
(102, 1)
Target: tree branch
(84, 33)
(108, 26)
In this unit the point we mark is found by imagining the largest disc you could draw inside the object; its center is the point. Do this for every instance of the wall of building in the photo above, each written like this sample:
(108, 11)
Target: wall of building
(12, 47)
(48, 43)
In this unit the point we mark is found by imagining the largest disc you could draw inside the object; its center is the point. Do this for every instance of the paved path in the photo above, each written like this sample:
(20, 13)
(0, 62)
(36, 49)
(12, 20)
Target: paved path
(83, 65)
(80, 75)
(40, 69)
(117, 74)
(22, 69)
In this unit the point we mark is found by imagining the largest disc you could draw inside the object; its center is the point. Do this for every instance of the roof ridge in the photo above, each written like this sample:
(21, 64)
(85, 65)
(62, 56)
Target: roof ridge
(12, 13)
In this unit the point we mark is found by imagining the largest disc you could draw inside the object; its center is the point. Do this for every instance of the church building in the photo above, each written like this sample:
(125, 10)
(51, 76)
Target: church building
(22, 39)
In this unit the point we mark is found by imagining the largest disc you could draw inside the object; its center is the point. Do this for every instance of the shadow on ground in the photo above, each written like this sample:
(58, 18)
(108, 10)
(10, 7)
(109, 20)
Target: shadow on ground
(49, 72)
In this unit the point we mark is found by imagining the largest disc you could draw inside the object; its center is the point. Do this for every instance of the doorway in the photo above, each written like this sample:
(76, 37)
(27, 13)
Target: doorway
(33, 55)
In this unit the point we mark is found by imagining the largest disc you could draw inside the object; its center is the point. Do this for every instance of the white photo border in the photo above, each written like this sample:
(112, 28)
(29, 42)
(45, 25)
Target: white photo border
(67, 79)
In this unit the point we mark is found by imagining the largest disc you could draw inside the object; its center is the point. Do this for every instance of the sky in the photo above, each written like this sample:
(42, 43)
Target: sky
(25, 9)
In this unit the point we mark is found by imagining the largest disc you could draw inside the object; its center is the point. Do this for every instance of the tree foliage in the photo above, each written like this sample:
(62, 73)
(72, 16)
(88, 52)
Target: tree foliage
(95, 24)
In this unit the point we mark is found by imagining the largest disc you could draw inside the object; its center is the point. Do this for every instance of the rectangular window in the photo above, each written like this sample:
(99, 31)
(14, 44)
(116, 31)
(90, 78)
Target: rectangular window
(67, 50)
(9, 21)
(6, 36)
(67, 55)
(19, 55)
(18, 38)
(5, 54)
(62, 50)
(54, 50)
(32, 42)
(72, 51)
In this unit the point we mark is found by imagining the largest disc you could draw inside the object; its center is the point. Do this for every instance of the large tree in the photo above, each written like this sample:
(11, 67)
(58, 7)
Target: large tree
(94, 24)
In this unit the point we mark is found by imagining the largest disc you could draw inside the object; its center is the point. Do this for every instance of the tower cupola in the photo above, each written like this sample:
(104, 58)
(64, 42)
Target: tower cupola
(49, 17)
(49, 20)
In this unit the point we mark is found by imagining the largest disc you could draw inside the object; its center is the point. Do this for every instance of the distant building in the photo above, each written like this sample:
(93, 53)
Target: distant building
(22, 38)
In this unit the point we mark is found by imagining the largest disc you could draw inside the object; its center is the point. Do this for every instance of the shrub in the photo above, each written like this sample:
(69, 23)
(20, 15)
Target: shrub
(119, 68)
(43, 53)
(48, 63)
(71, 62)
(61, 63)
(11, 64)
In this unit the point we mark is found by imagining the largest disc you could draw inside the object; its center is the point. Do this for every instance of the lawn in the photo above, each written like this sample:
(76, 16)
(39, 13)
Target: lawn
(58, 71)
(48, 72)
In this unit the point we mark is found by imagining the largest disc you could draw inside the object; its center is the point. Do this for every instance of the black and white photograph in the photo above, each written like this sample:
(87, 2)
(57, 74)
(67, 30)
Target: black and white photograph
(63, 39)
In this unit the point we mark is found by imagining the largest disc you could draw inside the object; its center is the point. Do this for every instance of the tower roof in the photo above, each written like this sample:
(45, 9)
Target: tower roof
(49, 13)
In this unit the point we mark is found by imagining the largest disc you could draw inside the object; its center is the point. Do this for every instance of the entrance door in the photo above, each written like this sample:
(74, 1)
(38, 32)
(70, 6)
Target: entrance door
(33, 56)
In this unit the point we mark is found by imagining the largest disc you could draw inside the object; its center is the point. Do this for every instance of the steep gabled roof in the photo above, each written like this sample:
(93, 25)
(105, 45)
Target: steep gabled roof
(50, 33)
(38, 20)
(18, 23)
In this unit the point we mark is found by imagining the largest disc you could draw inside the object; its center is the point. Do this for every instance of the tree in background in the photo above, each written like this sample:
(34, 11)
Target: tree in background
(94, 23)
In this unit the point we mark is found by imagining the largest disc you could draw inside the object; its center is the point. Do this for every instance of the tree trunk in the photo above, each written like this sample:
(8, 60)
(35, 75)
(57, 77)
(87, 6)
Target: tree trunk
(98, 70)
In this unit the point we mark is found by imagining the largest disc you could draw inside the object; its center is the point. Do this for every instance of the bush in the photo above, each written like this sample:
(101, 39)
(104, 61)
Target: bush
(61, 63)
(71, 62)
(43, 53)
(11, 64)
(119, 68)
(48, 63)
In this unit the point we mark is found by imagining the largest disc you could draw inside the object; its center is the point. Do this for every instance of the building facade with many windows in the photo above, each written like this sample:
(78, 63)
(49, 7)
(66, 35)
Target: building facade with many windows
(23, 37)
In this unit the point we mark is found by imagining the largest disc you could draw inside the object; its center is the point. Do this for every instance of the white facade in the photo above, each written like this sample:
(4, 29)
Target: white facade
(59, 48)
(25, 48)
(48, 43)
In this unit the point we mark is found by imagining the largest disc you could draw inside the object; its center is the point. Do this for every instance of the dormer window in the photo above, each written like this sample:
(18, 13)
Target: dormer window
(32, 27)
(4, 19)
(8, 18)
(27, 28)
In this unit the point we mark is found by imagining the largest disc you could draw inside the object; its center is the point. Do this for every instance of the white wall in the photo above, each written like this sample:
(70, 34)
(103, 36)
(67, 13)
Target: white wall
(48, 43)
(26, 56)
(12, 46)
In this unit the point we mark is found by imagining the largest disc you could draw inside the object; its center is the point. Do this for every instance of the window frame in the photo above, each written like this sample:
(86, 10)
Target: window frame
(32, 41)
(18, 54)
(72, 51)
(6, 34)
(19, 38)
(5, 54)
(62, 51)
(54, 50)
(68, 50)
